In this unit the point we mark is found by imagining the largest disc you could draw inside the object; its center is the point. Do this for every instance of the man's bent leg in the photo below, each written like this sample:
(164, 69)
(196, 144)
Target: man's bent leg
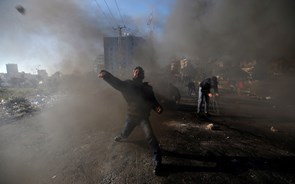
(152, 140)
(128, 128)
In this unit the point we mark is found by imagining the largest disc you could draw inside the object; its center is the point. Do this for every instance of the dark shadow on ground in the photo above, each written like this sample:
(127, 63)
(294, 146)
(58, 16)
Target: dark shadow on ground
(141, 143)
(185, 107)
(257, 117)
(226, 164)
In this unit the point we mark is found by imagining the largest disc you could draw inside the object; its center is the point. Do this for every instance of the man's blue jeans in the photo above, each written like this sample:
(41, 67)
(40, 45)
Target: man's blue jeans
(203, 101)
(132, 122)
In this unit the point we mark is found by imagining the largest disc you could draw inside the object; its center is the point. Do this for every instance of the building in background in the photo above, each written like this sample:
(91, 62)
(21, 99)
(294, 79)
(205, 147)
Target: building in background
(119, 53)
(99, 63)
(42, 74)
(12, 70)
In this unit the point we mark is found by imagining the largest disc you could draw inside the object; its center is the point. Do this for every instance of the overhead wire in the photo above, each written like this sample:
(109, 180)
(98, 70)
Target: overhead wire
(119, 12)
(109, 10)
(102, 12)
(111, 14)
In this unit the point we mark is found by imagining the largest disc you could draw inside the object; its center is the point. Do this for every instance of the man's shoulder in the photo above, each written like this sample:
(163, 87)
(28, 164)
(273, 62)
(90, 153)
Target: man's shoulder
(129, 81)
(147, 85)
(207, 79)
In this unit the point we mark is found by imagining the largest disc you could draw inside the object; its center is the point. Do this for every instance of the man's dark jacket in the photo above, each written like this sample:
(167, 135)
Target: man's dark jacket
(208, 84)
(139, 95)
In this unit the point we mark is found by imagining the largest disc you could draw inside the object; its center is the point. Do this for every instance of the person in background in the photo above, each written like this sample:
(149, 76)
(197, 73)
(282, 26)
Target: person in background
(205, 88)
(141, 100)
(174, 94)
(191, 88)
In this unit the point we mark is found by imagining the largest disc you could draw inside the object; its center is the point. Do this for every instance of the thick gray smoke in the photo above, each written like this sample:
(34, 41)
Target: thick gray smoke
(75, 34)
(239, 29)
(68, 31)
(66, 34)
(235, 31)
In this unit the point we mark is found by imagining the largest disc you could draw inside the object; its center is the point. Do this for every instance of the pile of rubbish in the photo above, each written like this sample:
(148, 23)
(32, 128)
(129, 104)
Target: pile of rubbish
(18, 107)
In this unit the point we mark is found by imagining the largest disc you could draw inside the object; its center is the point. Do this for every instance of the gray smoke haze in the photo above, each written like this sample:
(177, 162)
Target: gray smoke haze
(67, 34)
(75, 34)
(77, 31)
(240, 29)
(67, 31)
(56, 137)
(234, 31)
(204, 29)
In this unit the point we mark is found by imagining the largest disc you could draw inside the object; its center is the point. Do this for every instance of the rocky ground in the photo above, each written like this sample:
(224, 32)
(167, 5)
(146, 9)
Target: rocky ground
(250, 141)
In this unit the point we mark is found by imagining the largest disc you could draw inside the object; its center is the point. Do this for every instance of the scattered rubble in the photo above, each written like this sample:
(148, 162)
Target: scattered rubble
(209, 126)
(212, 126)
(17, 107)
(273, 129)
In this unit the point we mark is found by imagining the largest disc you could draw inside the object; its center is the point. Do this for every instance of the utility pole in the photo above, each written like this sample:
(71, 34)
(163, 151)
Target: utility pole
(150, 24)
(119, 54)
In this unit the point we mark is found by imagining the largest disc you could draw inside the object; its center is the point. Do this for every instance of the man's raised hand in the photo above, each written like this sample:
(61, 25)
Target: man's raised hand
(102, 74)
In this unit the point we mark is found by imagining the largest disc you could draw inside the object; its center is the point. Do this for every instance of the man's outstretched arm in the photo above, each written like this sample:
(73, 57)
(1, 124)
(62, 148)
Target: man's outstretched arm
(112, 80)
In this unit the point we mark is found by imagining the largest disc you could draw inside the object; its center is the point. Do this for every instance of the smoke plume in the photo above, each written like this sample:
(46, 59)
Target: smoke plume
(249, 29)
(67, 31)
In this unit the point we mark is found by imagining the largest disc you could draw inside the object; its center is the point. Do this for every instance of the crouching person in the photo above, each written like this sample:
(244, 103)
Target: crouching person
(205, 88)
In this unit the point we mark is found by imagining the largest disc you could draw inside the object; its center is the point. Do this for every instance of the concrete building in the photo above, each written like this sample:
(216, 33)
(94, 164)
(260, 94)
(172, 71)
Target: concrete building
(12, 70)
(99, 63)
(42, 73)
(119, 53)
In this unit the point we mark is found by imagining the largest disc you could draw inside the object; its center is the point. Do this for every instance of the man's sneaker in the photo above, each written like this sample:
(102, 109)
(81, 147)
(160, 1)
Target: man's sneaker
(207, 114)
(157, 169)
(118, 139)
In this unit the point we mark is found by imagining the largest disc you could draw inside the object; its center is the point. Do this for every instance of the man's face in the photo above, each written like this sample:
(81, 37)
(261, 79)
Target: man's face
(138, 74)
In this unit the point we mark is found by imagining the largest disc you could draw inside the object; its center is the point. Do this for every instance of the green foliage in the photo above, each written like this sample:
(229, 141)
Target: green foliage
(6, 93)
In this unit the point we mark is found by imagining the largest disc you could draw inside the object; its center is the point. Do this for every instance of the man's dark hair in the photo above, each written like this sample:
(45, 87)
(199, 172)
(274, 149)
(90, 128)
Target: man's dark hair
(140, 70)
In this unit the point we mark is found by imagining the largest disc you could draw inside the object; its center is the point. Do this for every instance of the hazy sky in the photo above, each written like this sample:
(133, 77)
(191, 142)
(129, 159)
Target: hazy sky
(66, 34)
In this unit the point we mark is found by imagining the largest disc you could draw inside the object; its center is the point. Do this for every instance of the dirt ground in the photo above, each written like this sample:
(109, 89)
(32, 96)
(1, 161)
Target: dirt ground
(253, 142)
